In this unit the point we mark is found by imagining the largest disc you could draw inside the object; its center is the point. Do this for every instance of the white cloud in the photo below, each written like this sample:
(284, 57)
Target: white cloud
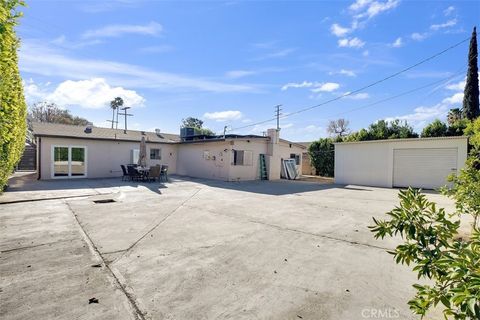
(117, 30)
(314, 86)
(338, 30)
(358, 96)
(366, 53)
(422, 114)
(94, 93)
(235, 74)
(345, 72)
(459, 86)
(351, 43)
(397, 43)
(457, 98)
(37, 58)
(326, 87)
(418, 36)
(449, 23)
(449, 11)
(359, 4)
(221, 116)
(304, 84)
(369, 9)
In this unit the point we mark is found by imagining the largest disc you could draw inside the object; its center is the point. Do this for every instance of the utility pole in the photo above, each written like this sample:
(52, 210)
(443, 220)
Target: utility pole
(112, 121)
(277, 114)
(125, 114)
(116, 122)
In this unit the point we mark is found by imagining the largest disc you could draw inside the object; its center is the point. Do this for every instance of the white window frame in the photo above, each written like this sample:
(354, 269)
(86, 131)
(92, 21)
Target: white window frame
(52, 160)
(159, 154)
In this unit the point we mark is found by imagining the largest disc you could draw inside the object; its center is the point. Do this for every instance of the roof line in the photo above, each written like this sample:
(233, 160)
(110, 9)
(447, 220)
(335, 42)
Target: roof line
(403, 139)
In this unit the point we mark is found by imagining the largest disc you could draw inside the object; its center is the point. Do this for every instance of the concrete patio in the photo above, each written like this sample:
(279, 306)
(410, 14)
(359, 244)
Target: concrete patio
(197, 249)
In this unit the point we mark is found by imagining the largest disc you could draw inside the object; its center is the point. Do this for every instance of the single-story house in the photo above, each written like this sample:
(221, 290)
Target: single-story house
(420, 162)
(66, 151)
(307, 166)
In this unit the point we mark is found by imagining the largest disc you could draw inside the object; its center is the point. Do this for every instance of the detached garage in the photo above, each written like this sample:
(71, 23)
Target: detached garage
(420, 163)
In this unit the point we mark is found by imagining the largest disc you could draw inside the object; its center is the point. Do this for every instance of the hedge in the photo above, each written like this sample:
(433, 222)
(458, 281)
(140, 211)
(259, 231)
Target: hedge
(13, 109)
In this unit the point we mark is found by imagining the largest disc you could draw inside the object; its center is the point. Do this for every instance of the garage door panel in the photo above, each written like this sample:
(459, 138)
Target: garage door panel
(423, 168)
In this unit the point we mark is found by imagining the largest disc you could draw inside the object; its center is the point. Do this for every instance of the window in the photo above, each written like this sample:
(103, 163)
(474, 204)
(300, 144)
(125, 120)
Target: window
(242, 158)
(155, 154)
(296, 157)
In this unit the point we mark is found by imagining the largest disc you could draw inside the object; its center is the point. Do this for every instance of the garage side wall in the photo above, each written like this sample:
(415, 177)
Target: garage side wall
(363, 164)
(371, 163)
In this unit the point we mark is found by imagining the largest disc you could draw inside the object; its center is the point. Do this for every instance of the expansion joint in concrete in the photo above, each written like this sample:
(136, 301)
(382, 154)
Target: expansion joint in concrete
(137, 313)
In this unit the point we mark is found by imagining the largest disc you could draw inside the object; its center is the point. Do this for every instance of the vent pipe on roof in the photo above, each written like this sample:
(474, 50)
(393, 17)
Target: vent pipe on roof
(88, 128)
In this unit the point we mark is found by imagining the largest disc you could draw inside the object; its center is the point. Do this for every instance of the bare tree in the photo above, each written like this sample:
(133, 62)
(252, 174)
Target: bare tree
(338, 127)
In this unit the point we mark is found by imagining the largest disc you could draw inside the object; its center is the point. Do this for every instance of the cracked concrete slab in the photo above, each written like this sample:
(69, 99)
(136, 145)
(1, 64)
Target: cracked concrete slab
(200, 249)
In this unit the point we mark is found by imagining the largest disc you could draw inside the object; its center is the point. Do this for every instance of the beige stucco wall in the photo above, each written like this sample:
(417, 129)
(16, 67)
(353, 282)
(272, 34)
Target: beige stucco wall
(211, 160)
(104, 157)
(219, 165)
(370, 163)
(191, 160)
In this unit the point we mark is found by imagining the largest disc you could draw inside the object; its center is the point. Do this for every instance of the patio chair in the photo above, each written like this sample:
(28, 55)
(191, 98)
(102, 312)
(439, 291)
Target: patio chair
(133, 173)
(164, 173)
(125, 173)
(154, 173)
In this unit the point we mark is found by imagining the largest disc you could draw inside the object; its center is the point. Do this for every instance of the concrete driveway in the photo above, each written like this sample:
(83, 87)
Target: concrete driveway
(198, 249)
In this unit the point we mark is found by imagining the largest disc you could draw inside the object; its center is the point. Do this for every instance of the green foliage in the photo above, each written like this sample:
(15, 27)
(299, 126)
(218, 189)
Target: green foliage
(13, 109)
(454, 115)
(384, 130)
(471, 108)
(466, 188)
(322, 154)
(432, 246)
(458, 127)
(51, 113)
(191, 122)
(473, 130)
(435, 129)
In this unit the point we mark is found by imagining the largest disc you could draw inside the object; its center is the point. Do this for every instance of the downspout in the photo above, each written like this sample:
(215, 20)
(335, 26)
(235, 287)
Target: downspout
(39, 158)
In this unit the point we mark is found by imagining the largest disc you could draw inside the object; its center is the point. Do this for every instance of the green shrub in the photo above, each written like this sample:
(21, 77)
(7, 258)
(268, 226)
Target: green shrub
(432, 245)
(322, 155)
(435, 129)
(13, 108)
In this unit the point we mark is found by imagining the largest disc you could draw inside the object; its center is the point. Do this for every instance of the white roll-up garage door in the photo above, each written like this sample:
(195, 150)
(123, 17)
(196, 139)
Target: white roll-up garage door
(423, 168)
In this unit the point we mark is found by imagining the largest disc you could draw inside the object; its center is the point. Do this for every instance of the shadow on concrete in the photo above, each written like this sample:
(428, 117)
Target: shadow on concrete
(276, 188)
(63, 188)
(24, 186)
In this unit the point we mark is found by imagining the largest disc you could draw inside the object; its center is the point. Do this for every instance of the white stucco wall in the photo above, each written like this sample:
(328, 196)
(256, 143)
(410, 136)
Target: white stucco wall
(370, 163)
(104, 157)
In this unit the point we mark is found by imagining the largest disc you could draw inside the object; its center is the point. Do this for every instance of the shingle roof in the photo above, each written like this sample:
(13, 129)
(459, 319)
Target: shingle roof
(97, 133)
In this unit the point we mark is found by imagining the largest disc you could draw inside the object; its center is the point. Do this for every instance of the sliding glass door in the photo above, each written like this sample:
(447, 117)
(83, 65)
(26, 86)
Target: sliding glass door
(69, 161)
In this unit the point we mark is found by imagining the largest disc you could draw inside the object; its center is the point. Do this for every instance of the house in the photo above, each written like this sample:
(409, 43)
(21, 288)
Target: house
(420, 162)
(66, 151)
(307, 165)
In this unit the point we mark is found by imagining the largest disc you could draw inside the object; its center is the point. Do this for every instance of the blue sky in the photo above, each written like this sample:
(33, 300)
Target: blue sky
(230, 62)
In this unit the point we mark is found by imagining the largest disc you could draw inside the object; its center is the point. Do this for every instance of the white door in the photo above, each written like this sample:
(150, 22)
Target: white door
(423, 168)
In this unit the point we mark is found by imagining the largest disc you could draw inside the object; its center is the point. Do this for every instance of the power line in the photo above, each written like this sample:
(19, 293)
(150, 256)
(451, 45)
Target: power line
(362, 88)
(403, 93)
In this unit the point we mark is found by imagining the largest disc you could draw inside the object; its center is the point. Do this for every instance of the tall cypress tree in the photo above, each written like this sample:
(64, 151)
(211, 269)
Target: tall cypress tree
(471, 108)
